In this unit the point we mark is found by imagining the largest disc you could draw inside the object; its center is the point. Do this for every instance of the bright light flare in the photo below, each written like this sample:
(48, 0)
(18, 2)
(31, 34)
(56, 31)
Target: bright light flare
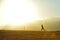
(18, 12)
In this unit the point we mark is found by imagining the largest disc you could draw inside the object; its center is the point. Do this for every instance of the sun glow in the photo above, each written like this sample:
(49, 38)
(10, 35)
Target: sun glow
(18, 12)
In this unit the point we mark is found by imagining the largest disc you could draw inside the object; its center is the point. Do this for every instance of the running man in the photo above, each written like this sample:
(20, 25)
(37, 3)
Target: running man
(42, 28)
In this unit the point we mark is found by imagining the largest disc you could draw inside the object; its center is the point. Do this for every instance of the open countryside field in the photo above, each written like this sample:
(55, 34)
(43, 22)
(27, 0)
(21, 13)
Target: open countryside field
(29, 35)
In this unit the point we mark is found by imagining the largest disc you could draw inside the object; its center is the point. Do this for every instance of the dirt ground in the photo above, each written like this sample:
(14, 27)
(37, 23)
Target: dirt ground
(29, 35)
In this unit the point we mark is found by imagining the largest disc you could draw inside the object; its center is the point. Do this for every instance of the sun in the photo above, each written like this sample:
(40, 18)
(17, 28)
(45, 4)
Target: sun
(19, 12)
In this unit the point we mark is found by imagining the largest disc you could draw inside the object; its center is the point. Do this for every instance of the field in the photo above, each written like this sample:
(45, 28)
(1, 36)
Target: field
(29, 35)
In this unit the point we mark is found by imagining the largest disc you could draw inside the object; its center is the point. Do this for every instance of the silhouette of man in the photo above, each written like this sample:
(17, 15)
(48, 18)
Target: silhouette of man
(42, 28)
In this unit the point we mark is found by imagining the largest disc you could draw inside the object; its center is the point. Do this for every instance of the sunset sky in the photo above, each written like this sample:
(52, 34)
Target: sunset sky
(18, 12)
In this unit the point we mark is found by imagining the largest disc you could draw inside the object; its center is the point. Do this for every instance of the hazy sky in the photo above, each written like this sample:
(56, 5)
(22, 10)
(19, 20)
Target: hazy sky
(43, 8)
(22, 11)
(49, 8)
